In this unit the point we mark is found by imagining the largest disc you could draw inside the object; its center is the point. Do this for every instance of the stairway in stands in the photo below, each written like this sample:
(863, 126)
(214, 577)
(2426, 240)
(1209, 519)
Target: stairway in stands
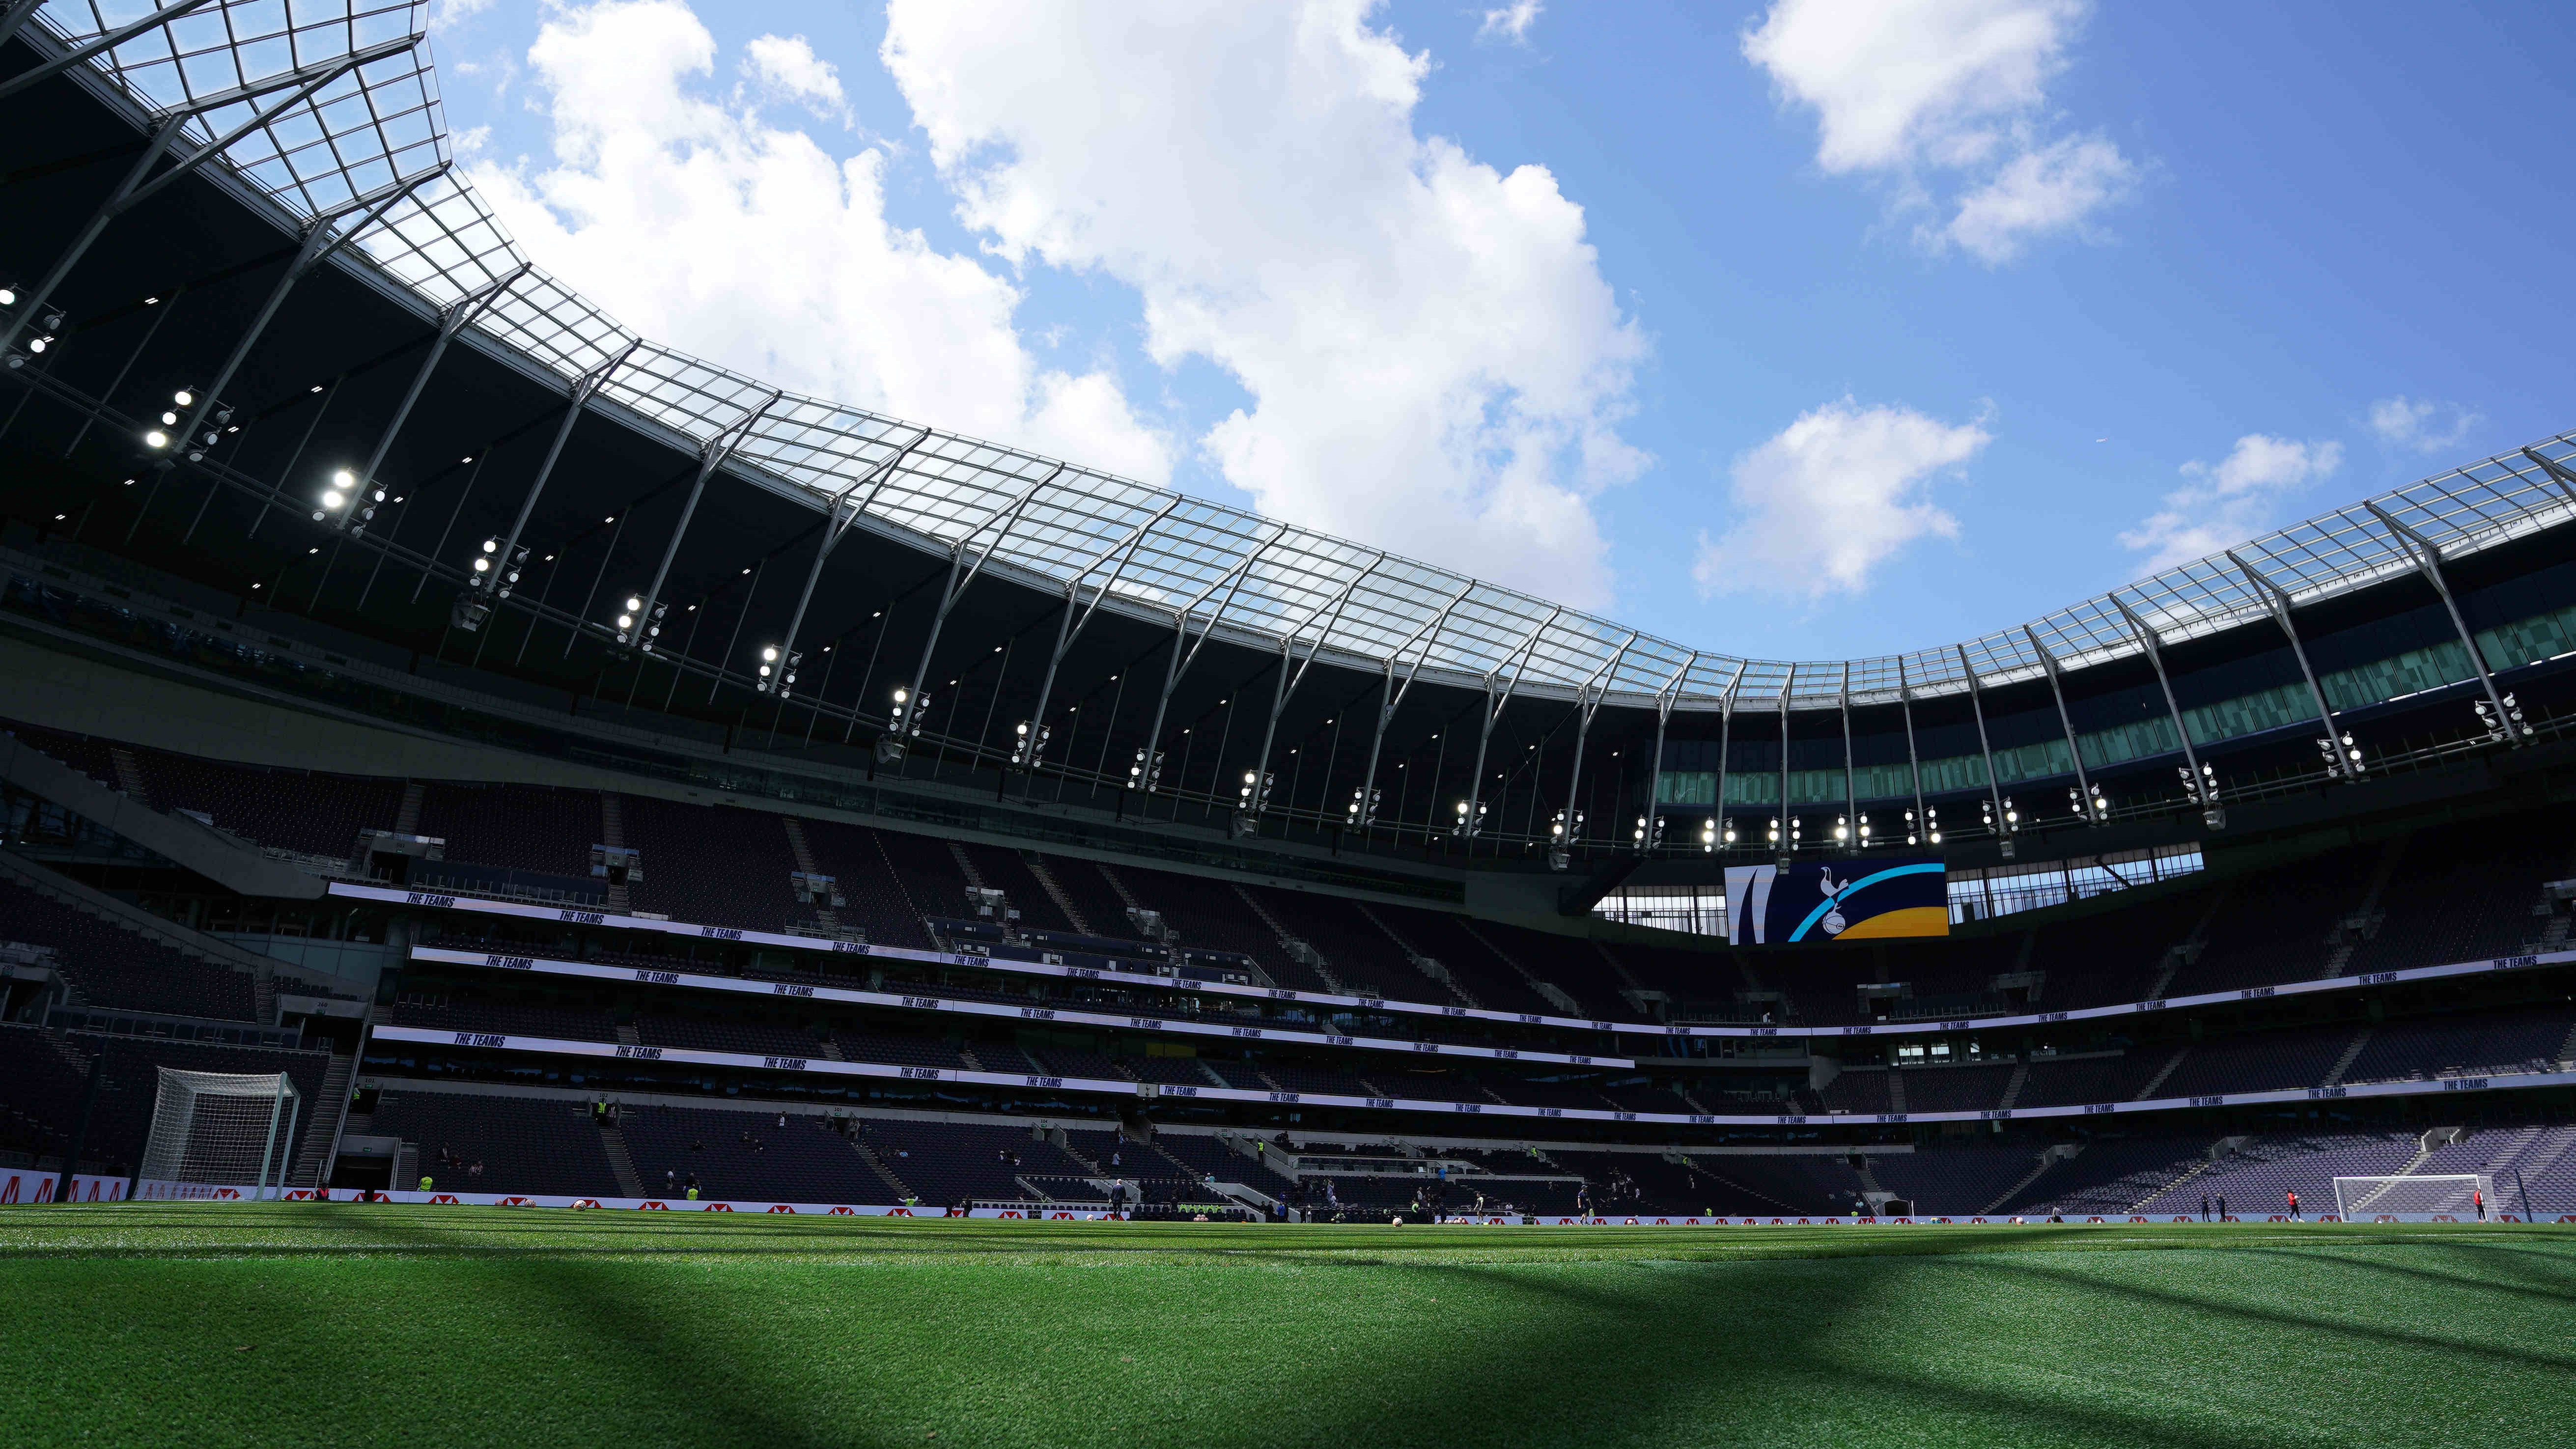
(884, 1173)
(612, 833)
(2351, 1054)
(2013, 1084)
(129, 775)
(621, 1163)
(2047, 1160)
(2149, 1088)
(1429, 966)
(322, 1123)
(407, 818)
(1055, 891)
(804, 856)
(1548, 991)
(1298, 950)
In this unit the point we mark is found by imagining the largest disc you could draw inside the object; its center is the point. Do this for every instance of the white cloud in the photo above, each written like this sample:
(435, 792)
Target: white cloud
(2040, 193)
(1946, 95)
(787, 67)
(695, 223)
(2421, 426)
(1433, 359)
(1510, 23)
(1835, 494)
(2222, 506)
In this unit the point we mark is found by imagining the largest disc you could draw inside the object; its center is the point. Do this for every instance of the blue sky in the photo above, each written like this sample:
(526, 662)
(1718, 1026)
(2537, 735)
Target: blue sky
(1801, 330)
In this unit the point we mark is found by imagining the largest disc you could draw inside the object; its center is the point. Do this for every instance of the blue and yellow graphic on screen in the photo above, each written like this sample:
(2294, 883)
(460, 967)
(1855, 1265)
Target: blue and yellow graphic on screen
(1838, 900)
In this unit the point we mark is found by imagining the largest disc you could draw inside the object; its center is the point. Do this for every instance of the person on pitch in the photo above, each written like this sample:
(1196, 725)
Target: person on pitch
(2294, 1204)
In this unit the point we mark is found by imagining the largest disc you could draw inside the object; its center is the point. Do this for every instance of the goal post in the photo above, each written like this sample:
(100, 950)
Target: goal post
(2457, 1193)
(221, 1128)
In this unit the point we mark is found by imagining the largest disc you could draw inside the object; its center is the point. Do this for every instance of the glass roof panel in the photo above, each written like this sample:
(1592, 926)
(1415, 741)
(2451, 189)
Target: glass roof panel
(1254, 579)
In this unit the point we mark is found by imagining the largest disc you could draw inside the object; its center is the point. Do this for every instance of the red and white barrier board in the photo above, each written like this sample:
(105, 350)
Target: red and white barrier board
(200, 1192)
(26, 1184)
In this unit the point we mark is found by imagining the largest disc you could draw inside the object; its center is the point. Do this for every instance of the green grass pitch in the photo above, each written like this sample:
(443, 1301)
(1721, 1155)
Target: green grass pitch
(334, 1324)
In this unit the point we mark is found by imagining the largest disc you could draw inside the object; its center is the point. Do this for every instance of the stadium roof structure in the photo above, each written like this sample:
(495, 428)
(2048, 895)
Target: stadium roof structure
(369, 142)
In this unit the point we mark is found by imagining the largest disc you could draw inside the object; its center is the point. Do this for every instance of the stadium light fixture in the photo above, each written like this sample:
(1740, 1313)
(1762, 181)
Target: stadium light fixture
(1362, 811)
(1146, 772)
(1708, 836)
(492, 579)
(1028, 744)
(2504, 728)
(347, 507)
(640, 624)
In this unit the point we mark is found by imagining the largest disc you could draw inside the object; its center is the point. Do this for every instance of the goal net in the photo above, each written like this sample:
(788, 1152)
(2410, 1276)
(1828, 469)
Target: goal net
(217, 1127)
(2459, 1192)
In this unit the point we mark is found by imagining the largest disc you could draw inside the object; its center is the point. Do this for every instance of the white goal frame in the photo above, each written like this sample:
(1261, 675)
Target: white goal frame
(2413, 1192)
(177, 1148)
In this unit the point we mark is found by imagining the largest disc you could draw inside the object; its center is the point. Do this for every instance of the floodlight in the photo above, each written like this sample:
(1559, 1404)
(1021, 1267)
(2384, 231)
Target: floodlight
(184, 398)
(156, 439)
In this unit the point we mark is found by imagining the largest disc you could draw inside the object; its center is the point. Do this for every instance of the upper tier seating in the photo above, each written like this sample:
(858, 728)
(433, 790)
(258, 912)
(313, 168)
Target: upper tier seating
(1092, 894)
(2277, 926)
(522, 827)
(2258, 1061)
(1360, 955)
(1003, 869)
(566, 1023)
(112, 967)
(2482, 1044)
(1469, 957)
(81, 752)
(317, 814)
(1209, 916)
(717, 864)
(2465, 892)
(877, 901)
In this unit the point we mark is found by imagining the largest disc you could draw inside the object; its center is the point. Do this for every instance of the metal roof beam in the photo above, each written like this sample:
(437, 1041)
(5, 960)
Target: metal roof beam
(471, 611)
(1587, 703)
(1287, 686)
(139, 183)
(2278, 599)
(2164, 681)
(1391, 697)
(26, 11)
(1986, 750)
(711, 456)
(1471, 818)
(1231, 580)
(1069, 628)
(2065, 721)
(2428, 560)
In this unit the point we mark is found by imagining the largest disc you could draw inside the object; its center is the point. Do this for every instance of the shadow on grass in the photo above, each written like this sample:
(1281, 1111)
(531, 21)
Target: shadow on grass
(1702, 1345)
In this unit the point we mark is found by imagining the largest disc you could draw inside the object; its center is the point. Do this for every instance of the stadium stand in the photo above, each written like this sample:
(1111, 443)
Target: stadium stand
(732, 1154)
(525, 1144)
(522, 827)
(720, 864)
(317, 814)
(110, 966)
